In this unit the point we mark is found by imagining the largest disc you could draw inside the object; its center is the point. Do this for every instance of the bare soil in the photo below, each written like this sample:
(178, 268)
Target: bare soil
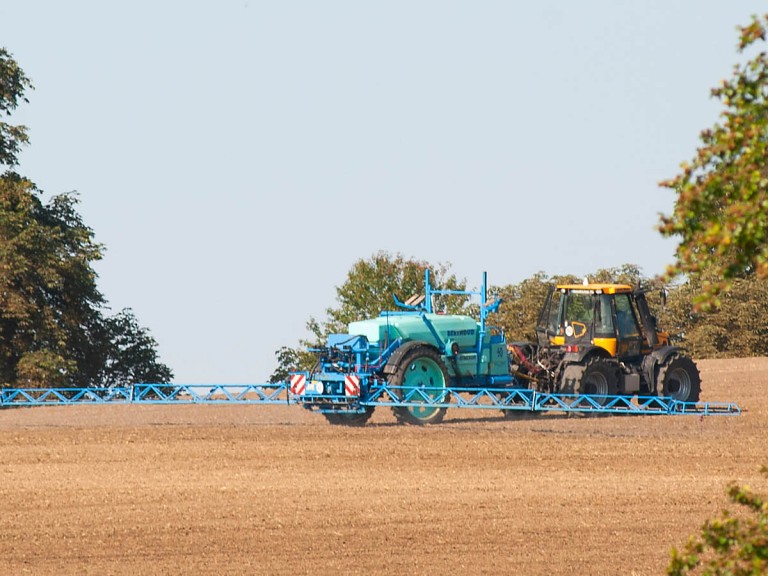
(276, 490)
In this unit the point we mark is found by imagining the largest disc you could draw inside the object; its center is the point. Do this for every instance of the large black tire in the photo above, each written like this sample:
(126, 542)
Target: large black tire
(600, 378)
(518, 414)
(679, 378)
(349, 418)
(420, 368)
(596, 377)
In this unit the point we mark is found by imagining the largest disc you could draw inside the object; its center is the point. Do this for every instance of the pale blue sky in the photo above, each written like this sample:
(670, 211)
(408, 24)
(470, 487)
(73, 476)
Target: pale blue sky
(237, 157)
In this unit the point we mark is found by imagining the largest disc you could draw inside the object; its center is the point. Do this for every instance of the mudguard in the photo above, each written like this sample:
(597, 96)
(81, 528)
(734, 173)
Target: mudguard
(653, 360)
(584, 353)
(394, 361)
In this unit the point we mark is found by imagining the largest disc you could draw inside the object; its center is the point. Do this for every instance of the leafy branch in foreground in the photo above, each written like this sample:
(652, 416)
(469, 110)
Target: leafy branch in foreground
(733, 545)
(721, 211)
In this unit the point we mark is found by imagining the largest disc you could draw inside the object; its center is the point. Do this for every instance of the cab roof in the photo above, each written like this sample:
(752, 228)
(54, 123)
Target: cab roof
(604, 288)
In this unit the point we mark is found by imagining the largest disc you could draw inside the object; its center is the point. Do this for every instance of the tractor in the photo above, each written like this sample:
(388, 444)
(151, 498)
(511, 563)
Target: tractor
(598, 340)
(602, 340)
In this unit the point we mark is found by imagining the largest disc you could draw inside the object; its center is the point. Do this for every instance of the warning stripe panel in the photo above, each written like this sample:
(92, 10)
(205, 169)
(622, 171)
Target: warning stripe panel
(298, 383)
(352, 385)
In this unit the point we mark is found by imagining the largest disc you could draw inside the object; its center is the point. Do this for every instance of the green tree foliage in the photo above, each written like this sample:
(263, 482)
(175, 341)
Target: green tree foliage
(53, 331)
(625, 274)
(289, 359)
(732, 545)
(48, 294)
(721, 212)
(371, 285)
(735, 329)
(13, 84)
(130, 353)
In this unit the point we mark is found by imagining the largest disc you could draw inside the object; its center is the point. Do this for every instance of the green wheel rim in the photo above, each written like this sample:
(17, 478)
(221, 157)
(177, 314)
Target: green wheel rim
(425, 375)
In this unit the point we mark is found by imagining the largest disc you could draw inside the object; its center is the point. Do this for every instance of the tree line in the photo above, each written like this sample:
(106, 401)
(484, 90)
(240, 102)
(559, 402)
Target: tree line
(737, 328)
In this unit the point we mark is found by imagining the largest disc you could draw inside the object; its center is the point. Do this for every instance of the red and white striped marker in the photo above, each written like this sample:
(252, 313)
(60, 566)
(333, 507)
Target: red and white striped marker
(352, 385)
(298, 384)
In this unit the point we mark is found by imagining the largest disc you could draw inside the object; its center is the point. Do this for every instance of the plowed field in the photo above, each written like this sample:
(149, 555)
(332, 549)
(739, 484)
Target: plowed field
(276, 490)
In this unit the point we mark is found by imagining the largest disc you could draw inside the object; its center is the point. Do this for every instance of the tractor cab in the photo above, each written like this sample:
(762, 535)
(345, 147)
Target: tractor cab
(609, 316)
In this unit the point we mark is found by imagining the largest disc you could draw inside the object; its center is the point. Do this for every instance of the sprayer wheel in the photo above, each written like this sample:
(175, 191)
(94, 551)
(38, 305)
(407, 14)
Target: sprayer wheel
(420, 369)
(349, 418)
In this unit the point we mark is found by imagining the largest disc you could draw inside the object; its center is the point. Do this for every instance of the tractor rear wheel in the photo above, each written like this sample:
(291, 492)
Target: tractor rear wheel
(420, 377)
(349, 418)
(679, 379)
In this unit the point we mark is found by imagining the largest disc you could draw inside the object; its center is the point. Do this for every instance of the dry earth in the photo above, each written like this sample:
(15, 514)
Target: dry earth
(275, 490)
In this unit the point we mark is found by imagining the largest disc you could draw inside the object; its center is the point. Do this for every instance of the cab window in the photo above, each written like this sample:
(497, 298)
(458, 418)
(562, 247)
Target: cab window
(553, 318)
(625, 317)
(604, 318)
(580, 308)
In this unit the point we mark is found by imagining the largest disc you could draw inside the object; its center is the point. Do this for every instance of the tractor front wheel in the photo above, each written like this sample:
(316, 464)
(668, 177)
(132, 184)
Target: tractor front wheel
(599, 378)
(596, 377)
